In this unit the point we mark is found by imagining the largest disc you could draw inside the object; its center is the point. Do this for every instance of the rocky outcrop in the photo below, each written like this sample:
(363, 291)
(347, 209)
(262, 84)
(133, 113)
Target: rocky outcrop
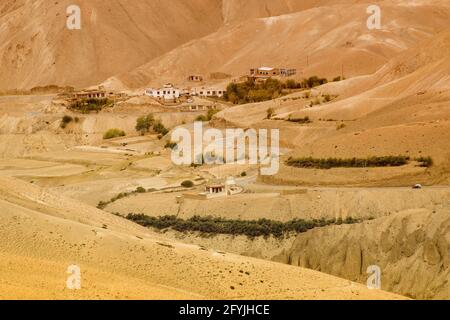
(411, 248)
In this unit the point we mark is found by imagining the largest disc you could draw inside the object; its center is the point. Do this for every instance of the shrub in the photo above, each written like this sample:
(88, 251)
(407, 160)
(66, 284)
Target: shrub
(159, 127)
(212, 113)
(187, 184)
(270, 113)
(340, 126)
(144, 123)
(300, 120)
(170, 145)
(140, 190)
(209, 116)
(114, 133)
(425, 162)
(65, 121)
(314, 81)
(201, 118)
(244, 174)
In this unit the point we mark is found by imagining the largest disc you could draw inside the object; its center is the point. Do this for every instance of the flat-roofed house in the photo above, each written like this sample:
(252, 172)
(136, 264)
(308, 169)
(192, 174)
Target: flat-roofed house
(195, 78)
(208, 92)
(268, 72)
(167, 93)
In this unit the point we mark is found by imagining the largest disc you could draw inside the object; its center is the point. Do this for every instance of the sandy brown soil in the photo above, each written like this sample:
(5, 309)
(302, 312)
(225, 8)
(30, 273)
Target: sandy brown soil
(44, 233)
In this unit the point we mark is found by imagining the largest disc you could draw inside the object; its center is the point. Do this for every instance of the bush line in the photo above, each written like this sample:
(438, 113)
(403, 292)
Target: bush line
(328, 163)
(252, 229)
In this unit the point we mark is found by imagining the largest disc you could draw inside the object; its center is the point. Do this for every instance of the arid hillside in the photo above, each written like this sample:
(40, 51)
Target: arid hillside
(43, 234)
(411, 248)
(136, 45)
(325, 40)
(401, 109)
(38, 49)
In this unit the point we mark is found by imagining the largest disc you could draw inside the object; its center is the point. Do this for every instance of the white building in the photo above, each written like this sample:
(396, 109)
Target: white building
(167, 93)
(208, 92)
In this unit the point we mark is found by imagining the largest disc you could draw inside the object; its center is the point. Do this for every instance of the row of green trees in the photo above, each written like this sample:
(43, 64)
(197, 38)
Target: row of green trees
(249, 228)
(91, 105)
(328, 163)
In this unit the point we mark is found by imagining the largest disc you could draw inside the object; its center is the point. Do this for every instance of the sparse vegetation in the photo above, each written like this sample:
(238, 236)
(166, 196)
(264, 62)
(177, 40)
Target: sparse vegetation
(171, 145)
(187, 184)
(114, 133)
(312, 163)
(209, 116)
(91, 105)
(251, 91)
(303, 120)
(140, 190)
(425, 162)
(159, 127)
(103, 204)
(144, 123)
(270, 113)
(341, 126)
(65, 121)
(249, 228)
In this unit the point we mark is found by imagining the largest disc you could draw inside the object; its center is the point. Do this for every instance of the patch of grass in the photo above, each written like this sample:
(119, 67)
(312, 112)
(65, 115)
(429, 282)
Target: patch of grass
(114, 133)
(251, 229)
(313, 163)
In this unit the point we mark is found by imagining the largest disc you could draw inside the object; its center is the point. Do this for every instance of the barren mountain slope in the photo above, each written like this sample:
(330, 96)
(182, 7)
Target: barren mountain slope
(43, 234)
(36, 48)
(401, 109)
(319, 41)
(411, 248)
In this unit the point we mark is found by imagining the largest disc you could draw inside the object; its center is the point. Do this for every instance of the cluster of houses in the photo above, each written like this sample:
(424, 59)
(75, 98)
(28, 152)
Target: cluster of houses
(169, 93)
